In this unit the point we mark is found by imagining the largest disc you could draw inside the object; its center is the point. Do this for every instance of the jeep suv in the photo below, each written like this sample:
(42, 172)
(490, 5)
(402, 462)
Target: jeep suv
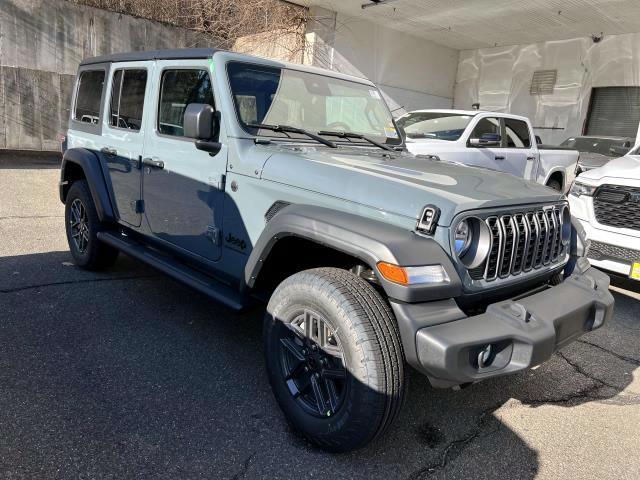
(250, 179)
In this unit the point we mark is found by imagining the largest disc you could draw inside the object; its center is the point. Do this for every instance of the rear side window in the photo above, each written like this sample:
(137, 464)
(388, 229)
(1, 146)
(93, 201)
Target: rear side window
(89, 96)
(127, 98)
(517, 133)
(178, 89)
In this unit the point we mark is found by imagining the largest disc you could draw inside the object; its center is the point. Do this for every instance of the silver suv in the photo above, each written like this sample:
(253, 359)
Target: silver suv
(254, 180)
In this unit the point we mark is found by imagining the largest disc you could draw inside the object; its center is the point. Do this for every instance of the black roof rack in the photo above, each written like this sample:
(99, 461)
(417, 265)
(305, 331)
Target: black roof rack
(179, 53)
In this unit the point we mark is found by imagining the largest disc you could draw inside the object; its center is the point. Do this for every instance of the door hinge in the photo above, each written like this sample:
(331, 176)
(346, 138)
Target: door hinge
(214, 234)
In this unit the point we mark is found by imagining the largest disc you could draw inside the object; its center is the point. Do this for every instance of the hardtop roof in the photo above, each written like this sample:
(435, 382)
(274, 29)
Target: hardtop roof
(172, 54)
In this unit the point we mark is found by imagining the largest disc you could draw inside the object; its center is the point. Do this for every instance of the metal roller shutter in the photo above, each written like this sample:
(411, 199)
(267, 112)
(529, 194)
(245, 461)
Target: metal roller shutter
(614, 111)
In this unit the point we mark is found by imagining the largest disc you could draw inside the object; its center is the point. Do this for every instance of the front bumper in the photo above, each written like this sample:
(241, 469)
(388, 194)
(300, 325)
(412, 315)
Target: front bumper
(446, 345)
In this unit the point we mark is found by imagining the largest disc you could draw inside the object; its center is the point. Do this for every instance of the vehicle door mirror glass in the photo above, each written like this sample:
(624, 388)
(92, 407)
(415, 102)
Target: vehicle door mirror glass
(486, 140)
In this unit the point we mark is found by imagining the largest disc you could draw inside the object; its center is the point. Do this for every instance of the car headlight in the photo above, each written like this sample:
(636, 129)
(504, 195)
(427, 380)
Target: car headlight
(462, 238)
(579, 188)
(471, 241)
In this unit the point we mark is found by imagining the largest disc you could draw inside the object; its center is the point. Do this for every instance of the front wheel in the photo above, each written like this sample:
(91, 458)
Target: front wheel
(334, 358)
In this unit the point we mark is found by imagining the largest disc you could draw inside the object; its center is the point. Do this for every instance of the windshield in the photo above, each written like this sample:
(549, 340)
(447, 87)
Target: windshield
(601, 146)
(443, 126)
(314, 102)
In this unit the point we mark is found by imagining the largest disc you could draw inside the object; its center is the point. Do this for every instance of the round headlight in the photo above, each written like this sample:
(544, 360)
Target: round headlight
(462, 237)
(471, 241)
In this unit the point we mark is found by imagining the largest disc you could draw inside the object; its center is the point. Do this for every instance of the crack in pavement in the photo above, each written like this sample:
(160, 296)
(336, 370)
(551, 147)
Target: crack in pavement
(624, 358)
(454, 448)
(72, 282)
(245, 466)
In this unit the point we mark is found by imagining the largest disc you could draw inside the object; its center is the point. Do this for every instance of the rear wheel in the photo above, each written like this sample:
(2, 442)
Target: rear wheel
(334, 358)
(555, 184)
(82, 226)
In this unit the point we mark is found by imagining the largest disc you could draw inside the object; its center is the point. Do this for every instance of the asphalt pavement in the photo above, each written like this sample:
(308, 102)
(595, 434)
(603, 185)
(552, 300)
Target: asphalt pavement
(128, 374)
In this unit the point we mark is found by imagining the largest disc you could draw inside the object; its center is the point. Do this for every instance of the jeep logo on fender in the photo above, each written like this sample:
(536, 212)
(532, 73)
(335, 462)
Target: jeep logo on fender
(235, 242)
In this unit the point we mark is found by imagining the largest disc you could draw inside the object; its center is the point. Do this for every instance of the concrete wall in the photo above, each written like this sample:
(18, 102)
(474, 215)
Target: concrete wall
(499, 79)
(41, 44)
(410, 71)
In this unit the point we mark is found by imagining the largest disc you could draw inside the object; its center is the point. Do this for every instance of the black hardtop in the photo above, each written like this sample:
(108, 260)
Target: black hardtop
(173, 54)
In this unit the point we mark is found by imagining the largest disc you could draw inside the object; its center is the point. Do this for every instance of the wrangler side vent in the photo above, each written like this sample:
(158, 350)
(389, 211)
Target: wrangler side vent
(274, 209)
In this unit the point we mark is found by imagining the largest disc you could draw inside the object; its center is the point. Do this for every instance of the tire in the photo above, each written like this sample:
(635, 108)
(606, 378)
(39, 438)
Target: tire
(362, 339)
(555, 184)
(87, 251)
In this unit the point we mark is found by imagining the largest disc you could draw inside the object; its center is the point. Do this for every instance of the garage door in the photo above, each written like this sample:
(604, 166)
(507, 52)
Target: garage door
(614, 111)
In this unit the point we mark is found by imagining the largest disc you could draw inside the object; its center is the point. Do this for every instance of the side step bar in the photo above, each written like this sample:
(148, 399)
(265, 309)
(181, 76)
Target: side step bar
(183, 273)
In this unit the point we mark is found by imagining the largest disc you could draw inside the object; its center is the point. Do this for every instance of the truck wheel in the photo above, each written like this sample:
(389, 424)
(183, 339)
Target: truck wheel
(82, 225)
(334, 358)
(555, 184)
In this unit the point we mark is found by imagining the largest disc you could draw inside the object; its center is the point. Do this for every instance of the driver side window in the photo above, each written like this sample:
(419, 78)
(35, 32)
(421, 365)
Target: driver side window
(486, 126)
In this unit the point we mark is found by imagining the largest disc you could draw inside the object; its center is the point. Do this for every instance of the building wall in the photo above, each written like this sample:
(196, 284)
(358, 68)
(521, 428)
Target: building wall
(500, 78)
(411, 72)
(41, 44)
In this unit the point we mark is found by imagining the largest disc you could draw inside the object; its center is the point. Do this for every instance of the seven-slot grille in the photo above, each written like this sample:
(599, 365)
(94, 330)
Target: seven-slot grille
(522, 242)
(618, 206)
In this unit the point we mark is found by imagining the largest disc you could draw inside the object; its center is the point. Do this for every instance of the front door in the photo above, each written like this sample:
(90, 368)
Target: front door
(183, 188)
(122, 138)
(520, 154)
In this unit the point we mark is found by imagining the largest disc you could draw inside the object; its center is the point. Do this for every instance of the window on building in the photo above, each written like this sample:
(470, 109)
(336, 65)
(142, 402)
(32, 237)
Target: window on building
(127, 98)
(89, 96)
(178, 89)
(517, 133)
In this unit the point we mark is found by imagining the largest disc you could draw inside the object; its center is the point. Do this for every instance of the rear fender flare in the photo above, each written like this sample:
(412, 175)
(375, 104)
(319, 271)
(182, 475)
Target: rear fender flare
(90, 165)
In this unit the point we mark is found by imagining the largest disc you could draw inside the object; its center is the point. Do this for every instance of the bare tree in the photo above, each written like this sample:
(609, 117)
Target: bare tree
(266, 27)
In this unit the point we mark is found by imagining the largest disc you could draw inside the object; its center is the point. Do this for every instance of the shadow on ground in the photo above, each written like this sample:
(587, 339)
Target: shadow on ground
(129, 374)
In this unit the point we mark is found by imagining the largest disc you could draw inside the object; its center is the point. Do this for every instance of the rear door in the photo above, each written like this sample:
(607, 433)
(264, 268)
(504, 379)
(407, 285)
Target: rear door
(183, 187)
(123, 136)
(520, 152)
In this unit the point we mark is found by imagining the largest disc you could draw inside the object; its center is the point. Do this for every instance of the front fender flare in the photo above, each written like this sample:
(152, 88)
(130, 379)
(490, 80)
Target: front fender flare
(90, 165)
(369, 240)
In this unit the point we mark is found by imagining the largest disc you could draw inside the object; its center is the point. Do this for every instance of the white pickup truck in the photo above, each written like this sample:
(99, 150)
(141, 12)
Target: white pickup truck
(498, 141)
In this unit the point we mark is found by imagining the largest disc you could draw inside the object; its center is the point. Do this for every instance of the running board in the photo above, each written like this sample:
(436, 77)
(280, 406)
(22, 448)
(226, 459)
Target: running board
(211, 287)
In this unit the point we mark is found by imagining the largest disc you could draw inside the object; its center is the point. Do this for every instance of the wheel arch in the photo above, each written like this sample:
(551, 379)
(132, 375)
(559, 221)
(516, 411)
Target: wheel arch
(557, 173)
(352, 236)
(81, 163)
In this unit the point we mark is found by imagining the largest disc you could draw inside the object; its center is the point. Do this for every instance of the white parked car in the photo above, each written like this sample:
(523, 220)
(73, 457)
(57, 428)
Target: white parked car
(498, 141)
(606, 200)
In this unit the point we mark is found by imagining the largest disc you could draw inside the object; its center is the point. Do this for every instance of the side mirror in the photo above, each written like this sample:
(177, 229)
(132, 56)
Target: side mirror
(486, 140)
(202, 124)
(619, 150)
(538, 140)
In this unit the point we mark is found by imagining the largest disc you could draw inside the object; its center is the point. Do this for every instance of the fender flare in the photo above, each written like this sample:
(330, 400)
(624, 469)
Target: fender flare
(369, 240)
(90, 165)
(562, 171)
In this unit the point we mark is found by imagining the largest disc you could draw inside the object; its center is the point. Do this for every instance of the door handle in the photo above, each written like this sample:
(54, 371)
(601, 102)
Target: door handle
(499, 157)
(531, 158)
(150, 162)
(111, 152)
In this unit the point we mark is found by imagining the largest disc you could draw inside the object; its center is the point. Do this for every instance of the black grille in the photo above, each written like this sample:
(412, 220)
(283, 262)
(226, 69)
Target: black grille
(522, 242)
(600, 251)
(618, 206)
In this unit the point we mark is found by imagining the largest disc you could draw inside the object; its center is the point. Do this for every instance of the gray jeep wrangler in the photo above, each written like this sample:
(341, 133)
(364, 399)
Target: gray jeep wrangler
(250, 179)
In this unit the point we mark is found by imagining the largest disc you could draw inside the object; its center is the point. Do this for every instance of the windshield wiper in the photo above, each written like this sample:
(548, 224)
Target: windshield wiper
(289, 129)
(358, 136)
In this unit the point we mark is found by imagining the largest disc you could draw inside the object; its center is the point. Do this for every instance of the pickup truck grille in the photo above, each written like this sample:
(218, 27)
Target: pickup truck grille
(618, 206)
(521, 242)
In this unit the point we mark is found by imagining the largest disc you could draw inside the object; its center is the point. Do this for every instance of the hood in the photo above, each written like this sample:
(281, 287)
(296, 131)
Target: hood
(624, 167)
(593, 160)
(399, 183)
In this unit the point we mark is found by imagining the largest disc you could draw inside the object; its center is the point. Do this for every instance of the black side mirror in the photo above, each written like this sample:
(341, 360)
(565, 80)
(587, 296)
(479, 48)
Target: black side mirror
(619, 150)
(202, 124)
(486, 140)
(538, 140)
